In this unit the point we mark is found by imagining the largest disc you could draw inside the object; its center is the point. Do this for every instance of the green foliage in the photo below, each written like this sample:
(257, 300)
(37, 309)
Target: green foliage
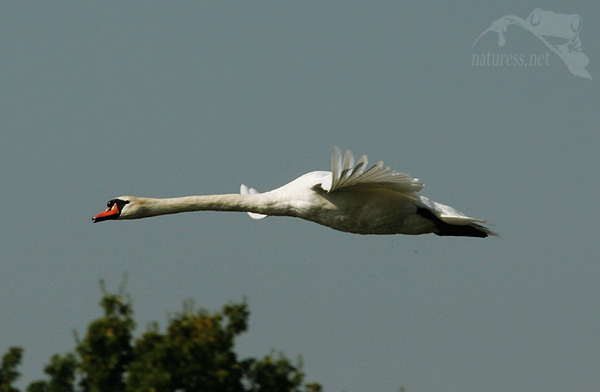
(278, 375)
(194, 354)
(62, 375)
(8, 370)
(106, 349)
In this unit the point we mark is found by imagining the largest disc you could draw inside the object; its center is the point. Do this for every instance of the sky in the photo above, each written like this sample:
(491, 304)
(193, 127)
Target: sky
(171, 99)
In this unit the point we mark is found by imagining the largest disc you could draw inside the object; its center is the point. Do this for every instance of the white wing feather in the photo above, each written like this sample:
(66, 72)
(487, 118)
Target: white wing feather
(245, 190)
(452, 216)
(446, 213)
(345, 174)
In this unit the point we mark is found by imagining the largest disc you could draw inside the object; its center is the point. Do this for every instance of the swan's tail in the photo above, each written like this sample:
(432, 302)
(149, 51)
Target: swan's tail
(245, 190)
(450, 222)
(468, 228)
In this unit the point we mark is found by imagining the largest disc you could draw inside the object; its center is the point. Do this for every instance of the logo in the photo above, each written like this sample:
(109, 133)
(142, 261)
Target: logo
(559, 32)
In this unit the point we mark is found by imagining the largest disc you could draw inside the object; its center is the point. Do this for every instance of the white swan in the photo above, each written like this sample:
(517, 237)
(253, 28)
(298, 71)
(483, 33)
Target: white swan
(349, 198)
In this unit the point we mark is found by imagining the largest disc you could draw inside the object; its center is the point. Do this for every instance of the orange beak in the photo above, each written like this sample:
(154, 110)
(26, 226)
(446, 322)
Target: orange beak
(110, 213)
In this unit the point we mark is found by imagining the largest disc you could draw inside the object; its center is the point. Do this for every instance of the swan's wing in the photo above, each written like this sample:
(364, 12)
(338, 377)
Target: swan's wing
(446, 213)
(245, 190)
(345, 174)
(452, 216)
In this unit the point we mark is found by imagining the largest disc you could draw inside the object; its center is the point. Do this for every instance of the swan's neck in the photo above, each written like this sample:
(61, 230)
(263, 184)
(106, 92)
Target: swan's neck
(148, 207)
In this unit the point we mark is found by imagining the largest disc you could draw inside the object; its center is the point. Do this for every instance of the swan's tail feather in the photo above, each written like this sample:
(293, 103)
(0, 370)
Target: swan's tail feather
(468, 228)
(471, 230)
(245, 190)
(451, 222)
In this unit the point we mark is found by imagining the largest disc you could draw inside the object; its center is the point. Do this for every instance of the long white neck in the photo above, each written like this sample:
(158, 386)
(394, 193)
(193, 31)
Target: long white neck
(147, 207)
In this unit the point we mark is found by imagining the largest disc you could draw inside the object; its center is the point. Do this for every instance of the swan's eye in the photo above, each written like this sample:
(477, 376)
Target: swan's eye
(110, 203)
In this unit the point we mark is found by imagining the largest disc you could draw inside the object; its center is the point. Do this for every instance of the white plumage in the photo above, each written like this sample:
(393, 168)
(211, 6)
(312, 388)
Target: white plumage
(350, 198)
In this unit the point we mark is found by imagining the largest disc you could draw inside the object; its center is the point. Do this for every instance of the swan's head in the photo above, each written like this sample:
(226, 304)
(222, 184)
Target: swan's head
(124, 207)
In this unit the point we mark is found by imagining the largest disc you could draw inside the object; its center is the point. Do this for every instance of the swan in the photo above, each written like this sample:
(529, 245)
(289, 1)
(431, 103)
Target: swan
(349, 198)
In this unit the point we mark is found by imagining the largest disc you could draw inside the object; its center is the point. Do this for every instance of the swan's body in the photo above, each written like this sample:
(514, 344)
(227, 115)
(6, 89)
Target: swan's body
(349, 198)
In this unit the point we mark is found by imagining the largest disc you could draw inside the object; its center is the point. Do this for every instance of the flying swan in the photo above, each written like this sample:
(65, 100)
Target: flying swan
(349, 198)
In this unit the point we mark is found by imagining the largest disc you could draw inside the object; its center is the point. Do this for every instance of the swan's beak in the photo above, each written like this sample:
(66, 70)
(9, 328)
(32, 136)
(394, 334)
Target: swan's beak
(110, 213)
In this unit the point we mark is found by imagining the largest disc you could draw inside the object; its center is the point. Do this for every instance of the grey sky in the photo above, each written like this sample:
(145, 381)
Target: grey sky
(170, 99)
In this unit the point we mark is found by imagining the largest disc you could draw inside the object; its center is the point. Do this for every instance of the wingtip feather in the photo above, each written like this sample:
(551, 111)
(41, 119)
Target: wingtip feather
(246, 190)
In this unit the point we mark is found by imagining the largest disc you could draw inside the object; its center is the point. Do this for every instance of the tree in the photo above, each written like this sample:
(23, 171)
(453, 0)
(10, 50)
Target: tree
(106, 349)
(278, 375)
(195, 353)
(8, 370)
(200, 340)
(62, 375)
